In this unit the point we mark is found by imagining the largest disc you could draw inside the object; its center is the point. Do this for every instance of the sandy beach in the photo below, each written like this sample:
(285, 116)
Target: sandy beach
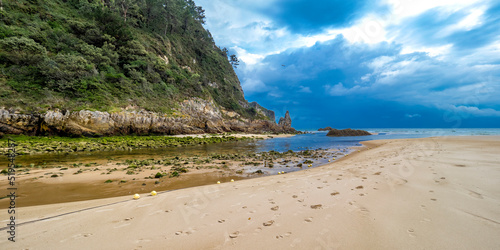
(431, 193)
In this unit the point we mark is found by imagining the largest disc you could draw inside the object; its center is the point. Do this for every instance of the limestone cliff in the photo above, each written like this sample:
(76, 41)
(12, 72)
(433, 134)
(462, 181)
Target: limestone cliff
(194, 116)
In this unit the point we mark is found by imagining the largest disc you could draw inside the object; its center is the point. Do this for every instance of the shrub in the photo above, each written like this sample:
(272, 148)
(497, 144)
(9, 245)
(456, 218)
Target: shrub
(22, 50)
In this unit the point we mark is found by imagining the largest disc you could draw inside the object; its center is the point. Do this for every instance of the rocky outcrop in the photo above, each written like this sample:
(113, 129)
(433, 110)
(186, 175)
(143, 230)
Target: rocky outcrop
(325, 129)
(286, 122)
(261, 110)
(194, 116)
(347, 132)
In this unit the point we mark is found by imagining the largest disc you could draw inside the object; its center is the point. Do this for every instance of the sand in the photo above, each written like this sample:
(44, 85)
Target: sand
(99, 178)
(432, 193)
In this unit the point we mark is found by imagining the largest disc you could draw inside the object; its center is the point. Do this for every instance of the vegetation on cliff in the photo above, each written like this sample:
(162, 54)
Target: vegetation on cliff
(107, 55)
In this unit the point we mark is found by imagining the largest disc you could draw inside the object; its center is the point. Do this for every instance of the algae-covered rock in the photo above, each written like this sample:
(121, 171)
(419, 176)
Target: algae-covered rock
(347, 132)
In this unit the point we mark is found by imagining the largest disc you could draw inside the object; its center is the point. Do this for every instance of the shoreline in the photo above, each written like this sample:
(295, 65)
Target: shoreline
(437, 192)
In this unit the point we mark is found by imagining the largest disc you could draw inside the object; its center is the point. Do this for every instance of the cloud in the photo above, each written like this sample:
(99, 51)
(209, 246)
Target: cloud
(340, 90)
(376, 64)
(413, 115)
(306, 17)
(467, 25)
(304, 89)
(466, 111)
(253, 86)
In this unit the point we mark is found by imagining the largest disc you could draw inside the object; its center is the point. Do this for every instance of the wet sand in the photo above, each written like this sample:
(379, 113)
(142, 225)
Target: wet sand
(100, 178)
(432, 193)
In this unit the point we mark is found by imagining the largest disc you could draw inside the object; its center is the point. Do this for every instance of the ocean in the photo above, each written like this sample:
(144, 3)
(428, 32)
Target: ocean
(318, 139)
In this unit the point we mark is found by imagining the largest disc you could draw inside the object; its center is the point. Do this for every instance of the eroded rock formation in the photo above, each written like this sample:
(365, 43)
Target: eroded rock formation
(286, 123)
(194, 116)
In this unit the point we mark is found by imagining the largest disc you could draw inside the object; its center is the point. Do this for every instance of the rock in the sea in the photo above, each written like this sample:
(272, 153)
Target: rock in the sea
(325, 129)
(347, 132)
(286, 123)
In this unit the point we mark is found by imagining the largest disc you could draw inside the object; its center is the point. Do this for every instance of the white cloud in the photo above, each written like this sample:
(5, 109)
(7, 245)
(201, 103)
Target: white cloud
(370, 30)
(340, 90)
(431, 51)
(253, 85)
(474, 19)
(249, 58)
(471, 110)
(275, 94)
(304, 89)
(366, 78)
(412, 115)
(380, 62)
(243, 24)
(408, 8)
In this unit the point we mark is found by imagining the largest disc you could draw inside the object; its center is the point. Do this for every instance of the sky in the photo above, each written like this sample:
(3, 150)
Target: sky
(366, 64)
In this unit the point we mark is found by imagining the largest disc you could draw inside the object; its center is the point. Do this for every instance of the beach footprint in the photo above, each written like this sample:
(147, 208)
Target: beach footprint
(411, 232)
(234, 235)
(281, 236)
(317, 206)
(475, 194)
(83, 235)
(268, 223)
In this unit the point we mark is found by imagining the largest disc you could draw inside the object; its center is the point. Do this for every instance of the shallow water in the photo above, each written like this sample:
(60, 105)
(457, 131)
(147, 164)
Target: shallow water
(313, 140)
(39, 193)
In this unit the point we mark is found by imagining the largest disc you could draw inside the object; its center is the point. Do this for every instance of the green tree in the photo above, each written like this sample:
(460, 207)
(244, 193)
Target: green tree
(65, 71)
(22, 50)
(234, 60)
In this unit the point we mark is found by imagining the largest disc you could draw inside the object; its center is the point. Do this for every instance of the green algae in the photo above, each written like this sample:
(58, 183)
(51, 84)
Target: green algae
(57, 144)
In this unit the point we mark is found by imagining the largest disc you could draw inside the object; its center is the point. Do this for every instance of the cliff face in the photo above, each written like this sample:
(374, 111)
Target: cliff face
(265, 112)
(194, 116)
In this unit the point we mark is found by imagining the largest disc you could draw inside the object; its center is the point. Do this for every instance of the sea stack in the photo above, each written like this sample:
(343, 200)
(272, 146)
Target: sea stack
(285, 122)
